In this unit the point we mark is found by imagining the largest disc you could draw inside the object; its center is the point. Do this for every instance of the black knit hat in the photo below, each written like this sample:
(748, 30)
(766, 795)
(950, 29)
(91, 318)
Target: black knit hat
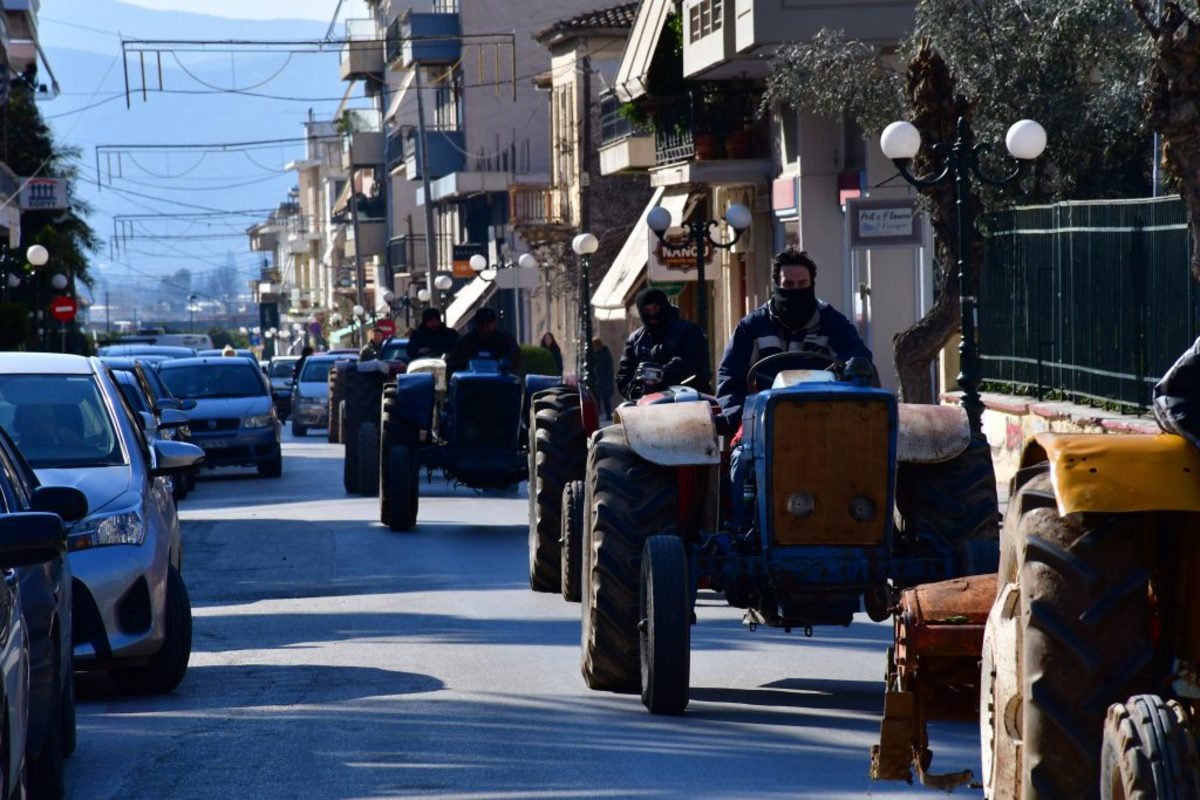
(431, 313)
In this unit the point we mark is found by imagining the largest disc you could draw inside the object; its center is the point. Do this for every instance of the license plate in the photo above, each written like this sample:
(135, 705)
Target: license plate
(215, 444)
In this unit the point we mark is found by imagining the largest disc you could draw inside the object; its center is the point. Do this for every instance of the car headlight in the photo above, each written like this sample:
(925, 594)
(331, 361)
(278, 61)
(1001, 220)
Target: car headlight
(126, 527)
(258, 421)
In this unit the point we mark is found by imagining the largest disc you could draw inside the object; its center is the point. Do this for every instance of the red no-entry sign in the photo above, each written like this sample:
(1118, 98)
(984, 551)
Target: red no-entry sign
(387, 326)
(63, 308)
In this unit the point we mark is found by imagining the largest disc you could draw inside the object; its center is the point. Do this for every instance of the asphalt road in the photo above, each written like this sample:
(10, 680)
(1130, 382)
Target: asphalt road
(334, 658)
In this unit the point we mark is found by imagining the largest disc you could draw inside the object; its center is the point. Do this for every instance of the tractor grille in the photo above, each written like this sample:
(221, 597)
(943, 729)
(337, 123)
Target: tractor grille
(487, 414)
(828, 460)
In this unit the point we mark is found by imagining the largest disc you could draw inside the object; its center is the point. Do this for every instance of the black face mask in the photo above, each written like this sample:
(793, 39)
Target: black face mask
(795, 307)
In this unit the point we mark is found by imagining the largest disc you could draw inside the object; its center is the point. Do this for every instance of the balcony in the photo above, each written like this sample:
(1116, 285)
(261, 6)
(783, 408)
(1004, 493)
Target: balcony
(263, 238)
(624, 146)
(371, 239)
(446, 154)
(425, 39)
(365, 141)
(702, 142)
(362, 53)
(407, 253)
(727, 38)
(537, 206)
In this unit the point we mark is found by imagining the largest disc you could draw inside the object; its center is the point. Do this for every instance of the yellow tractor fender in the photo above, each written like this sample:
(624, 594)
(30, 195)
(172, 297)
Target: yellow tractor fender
(1113, 473)
(672, 434)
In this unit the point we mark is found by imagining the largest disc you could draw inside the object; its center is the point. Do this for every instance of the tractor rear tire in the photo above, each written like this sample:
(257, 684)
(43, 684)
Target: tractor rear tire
(1148, 752)
(571, 542)
(629, 499)
(1085, 622)
(337, 385)
(664, 628)
(1000, 697)
(401, 489)
(350, 467)
(368, 459)
(954, 501)
(557, 454)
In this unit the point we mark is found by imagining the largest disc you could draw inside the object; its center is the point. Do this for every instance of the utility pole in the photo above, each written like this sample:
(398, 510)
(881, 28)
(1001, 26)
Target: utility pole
(435, 299)
(107, 313)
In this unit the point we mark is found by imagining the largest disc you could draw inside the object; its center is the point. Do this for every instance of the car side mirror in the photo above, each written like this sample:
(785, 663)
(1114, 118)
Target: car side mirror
(172, 458)
(65, 501)
(31, 538)
(172, 418)
(149, 423)
(170, 402)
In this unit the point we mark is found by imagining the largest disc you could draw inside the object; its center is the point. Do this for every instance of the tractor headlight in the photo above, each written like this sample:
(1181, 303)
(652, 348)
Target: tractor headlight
(258, 421)
(861, 509)
(801, 504)
(126, 527)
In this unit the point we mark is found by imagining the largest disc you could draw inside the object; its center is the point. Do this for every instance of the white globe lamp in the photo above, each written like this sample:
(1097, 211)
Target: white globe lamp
(1026, 140)
(900, 140)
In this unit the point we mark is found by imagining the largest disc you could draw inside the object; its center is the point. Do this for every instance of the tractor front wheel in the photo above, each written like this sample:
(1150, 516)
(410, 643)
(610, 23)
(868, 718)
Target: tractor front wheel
(1148, 752)
(664, 631)
(629, 499)
(368, 459)
(557, 452)
(571, 542)
(399, 494)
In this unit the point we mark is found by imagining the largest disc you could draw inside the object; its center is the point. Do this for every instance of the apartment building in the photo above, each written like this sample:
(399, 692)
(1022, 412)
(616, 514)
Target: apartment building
(705, 147)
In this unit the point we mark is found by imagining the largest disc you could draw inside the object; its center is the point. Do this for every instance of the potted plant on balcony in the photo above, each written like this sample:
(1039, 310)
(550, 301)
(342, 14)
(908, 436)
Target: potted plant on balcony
(739, 111)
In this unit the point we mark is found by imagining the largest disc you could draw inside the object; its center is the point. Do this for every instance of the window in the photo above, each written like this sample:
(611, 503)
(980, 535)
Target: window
(196, 381)
(704, 18)
(73, 429)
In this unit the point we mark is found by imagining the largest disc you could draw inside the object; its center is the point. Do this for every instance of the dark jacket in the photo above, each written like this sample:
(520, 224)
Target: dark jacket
(1177, 396)
(369, 352)
(433, 344)
(556, 352)
(679, 349)
(828, 334)
(499, 346)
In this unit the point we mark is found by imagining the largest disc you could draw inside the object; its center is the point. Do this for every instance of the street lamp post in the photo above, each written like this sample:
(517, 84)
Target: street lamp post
(38, 256)
(1025, 141)
(699, 236)
(584, 245)
(484, 271)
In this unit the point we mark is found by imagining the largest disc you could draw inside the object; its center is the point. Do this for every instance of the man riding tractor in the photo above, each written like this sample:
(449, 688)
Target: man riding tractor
(666, 350)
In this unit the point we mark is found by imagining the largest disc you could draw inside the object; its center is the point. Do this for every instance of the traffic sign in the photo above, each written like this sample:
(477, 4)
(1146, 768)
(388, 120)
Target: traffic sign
(63, 308)
(387, 326)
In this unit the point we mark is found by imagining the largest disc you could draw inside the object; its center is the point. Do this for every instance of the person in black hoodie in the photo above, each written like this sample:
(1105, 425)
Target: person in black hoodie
(433, 339)
(664, 339)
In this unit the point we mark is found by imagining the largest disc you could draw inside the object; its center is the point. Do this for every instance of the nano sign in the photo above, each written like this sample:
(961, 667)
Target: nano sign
(674, 258)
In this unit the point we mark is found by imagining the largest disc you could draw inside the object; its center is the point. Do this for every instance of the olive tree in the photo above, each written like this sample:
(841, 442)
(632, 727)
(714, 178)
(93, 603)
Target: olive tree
(1075, 67)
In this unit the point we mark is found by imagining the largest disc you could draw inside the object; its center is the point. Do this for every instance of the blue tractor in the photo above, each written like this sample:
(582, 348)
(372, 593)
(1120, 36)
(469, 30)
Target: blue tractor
(842, 498)
(470, 427)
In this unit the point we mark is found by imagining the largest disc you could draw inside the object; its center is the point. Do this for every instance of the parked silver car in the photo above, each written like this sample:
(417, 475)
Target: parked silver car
(130, 608)
(310, 397)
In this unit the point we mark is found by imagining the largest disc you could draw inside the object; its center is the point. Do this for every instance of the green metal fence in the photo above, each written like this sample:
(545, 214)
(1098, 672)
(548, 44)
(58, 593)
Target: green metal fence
(1089, 302)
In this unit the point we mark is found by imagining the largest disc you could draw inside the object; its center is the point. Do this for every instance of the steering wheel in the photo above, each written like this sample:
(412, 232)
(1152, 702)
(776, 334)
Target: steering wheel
(778, 362)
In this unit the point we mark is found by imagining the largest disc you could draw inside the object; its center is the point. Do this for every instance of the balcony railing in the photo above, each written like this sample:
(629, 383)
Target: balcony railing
(691, 129)
(394, 149)
(395, 44)
(614, 127)
(407, 253)
(530, 205)
(674, 134)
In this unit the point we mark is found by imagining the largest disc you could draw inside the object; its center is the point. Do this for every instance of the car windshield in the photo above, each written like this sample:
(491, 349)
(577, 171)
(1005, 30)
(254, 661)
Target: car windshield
(233, 378)
(316, 371)
(283, 369)
(59, 420)
(395, 350)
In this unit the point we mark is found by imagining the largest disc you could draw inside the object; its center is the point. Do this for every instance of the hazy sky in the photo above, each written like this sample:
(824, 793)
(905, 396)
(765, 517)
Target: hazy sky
(317, 10)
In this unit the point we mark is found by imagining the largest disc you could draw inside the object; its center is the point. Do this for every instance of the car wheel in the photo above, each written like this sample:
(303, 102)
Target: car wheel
(68, 715)
(45, 771)
(298, 429)
(166, 668)
(272, 468)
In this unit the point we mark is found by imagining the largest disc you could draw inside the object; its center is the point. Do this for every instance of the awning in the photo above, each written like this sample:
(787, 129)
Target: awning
(469, 298)
(615, 292)
(639, 49)
(338, 239)
(335, 337)
(398, 95)
(343, 200)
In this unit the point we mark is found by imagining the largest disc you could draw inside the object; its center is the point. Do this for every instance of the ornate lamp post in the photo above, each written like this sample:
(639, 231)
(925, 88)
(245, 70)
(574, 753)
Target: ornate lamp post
(486, 272)
(1026, 140)
(699, 236)
(584, 245)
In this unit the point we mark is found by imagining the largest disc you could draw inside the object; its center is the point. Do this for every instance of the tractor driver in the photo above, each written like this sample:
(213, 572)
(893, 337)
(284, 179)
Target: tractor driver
(792, 321)
(433, 339)
(674, 344)
(485, 341)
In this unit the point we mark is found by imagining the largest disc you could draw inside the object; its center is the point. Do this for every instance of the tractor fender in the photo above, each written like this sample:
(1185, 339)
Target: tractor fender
(537, 383)
(930, 434)
(1114, 473)
(671, 434)
(414, 398)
